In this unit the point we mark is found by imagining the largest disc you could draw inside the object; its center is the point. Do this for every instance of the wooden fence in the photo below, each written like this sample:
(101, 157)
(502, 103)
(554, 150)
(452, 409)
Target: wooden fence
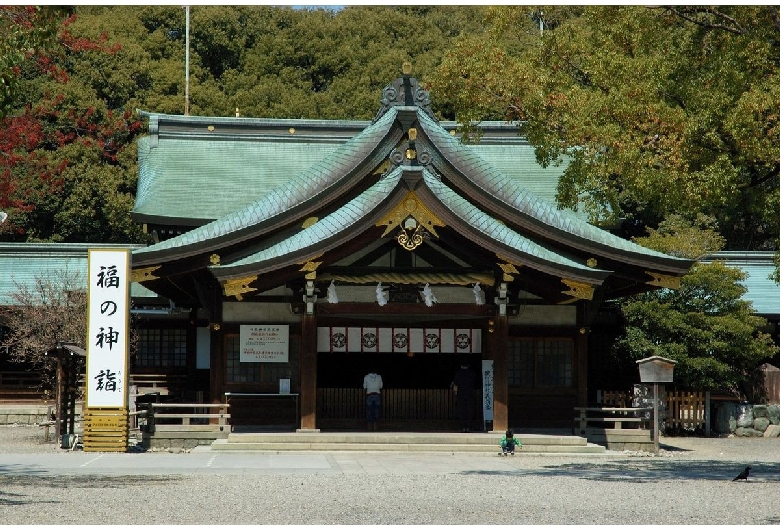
(21, 386)
(402, 404)
(684, 409)
(186, 417)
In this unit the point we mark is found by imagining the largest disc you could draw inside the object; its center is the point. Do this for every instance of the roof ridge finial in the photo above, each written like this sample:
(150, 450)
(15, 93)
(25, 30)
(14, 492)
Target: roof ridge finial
(405, 91)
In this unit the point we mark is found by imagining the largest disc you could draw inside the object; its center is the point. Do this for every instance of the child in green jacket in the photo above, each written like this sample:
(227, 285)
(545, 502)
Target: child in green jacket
(508, 443)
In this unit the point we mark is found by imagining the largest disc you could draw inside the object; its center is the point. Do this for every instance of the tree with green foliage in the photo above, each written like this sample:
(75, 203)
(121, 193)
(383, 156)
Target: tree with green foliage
(25, 34)
(68, 164)
(70, 168)
(654, 110)
(705, 326)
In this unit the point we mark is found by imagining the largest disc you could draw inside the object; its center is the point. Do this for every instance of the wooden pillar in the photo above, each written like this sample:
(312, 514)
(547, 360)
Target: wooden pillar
(216, 363)
(499, 351)
(59, 397)
(308, 373)
(581, 356)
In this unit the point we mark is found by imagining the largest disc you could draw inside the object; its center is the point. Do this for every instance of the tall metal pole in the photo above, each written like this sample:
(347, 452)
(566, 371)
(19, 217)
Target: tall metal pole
(187, 65)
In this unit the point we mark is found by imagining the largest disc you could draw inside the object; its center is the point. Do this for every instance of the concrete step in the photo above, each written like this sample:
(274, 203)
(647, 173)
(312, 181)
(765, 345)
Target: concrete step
(400, 442)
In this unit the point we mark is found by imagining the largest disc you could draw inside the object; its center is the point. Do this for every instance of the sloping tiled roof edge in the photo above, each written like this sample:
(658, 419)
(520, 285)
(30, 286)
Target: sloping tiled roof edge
(338, 222)
(539, 257)
(540, 213)
(304, 187)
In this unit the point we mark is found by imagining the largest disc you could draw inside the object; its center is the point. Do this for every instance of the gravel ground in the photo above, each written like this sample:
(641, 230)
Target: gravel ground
(689, 482)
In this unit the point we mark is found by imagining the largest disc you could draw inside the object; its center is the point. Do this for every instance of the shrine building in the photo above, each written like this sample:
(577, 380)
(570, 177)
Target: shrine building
(295, 255)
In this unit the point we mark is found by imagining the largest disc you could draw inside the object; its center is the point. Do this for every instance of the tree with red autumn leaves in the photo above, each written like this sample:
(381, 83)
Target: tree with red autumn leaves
(67, 159)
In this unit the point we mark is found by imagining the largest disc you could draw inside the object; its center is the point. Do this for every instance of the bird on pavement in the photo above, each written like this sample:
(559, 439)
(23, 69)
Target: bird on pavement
(743, 475)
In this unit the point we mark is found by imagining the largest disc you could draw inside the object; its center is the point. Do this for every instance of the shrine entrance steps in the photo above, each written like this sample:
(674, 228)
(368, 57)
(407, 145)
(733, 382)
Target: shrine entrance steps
(429, 442)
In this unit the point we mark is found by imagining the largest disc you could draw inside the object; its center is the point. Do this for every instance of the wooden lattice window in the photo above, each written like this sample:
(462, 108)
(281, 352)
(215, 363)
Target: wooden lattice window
(536, 363)
(161, 348)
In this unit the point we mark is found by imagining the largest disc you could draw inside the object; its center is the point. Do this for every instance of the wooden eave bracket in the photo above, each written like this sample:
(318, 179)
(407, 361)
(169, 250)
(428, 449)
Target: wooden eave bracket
(144, 275)
(239, 286)
(663, 280)
(581, 290)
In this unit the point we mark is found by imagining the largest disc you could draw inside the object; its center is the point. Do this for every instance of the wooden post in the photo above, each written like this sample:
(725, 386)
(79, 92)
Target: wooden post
(581, 352)
(500, 344)
(655, 416)
(217, 363)
(58, 411)
(308, 371)
(707, 413)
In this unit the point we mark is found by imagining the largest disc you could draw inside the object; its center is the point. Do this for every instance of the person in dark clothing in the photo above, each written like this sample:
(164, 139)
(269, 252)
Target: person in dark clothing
(464, 384)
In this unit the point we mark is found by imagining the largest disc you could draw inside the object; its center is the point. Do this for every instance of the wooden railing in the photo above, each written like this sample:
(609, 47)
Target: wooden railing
(185, 417)
(397, 403)
(21, 386)
(684, 409)
(614, 398)
(610, 418)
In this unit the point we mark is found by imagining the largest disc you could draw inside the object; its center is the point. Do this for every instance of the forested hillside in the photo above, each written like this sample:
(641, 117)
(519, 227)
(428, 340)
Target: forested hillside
(661, 111)
(81, 74)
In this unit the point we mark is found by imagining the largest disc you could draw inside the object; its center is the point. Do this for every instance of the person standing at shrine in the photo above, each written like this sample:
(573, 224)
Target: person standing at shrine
(464, 384)
(373, 384)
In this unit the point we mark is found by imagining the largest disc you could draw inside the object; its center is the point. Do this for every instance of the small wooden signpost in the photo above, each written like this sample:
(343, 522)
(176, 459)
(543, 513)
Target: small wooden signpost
(656, 370)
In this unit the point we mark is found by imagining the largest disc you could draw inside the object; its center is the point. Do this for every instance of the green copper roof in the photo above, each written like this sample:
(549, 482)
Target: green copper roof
(190, 175)
(536, 256)
(339, 223)
(194, 169)
(23, 264)
(338, 166)
(447, 151)
(762, 292)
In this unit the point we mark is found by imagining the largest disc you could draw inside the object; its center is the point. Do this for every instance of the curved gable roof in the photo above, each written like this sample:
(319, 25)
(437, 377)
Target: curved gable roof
(334, 176)
(321, 236)
(470, 221)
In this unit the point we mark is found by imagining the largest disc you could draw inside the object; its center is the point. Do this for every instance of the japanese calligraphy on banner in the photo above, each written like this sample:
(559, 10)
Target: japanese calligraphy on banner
(399, 340)
(108, 312)
(264, 343)
(487, 390)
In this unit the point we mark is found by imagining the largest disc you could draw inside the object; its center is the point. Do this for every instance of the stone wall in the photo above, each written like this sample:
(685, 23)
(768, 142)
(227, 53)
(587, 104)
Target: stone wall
(11, 414)
(743, 419)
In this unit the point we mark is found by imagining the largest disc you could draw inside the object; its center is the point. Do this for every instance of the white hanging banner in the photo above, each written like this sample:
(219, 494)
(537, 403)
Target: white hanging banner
(354, 339)
(108, 315)
(468, 340)
(432, 340)
(338, 340)
(400, 340)
(416, 340)
(487, 390)
(370, 340)
(386, 340)
(447, 341)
